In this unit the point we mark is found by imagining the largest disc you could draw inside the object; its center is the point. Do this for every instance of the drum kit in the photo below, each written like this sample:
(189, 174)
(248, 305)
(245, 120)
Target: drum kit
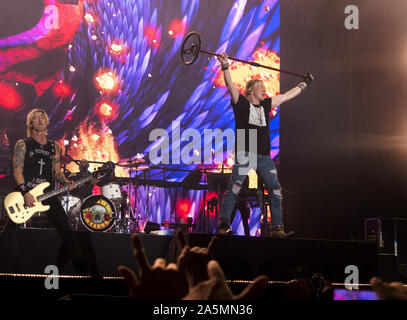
(109, 211)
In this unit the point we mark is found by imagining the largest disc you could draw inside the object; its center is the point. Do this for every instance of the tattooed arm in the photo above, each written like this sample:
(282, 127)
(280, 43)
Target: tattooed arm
(18, 165)
(56, 164)
(18, 161)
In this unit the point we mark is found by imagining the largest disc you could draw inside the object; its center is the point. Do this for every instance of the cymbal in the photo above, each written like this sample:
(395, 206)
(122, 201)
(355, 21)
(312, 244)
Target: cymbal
(139, 167)
(130, 162)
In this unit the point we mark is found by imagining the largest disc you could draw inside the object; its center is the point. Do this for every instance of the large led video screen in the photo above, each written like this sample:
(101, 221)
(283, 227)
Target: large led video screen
(109, 72)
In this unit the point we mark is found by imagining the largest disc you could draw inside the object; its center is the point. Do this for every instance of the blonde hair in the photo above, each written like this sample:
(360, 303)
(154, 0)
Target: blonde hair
(30, 118)
(250, 85)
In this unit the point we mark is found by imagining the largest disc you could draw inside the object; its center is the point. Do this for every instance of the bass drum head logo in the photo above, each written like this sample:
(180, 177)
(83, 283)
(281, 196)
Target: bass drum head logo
(98, 213)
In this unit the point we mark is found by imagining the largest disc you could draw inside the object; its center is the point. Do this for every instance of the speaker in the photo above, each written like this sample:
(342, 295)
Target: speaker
(151, 226)
(192, 179)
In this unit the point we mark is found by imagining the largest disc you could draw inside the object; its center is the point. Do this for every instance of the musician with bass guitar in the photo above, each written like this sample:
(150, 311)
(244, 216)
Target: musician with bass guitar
(36, 161)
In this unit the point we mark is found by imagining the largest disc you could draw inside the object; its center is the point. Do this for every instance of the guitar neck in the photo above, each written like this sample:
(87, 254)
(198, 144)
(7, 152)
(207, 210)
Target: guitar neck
(58, 191)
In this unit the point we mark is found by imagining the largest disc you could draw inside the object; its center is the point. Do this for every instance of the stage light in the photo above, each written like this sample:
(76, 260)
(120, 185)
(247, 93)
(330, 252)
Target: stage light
(116, 48)
(106, 81)
(94, 37)
(10, 97)
(72, 69)
(62, 89)
(183, 208)
(176, 28)
(230, 162)
(152, 36)
(105, 110)
(89, 18)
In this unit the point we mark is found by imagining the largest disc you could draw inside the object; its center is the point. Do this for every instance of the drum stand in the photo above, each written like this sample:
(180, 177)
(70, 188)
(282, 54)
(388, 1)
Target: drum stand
(124, 212)
(125, 223)
(265, 205)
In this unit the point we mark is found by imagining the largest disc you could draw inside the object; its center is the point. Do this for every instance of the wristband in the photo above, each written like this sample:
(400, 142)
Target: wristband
(302, 86)
(307, 78)
(22, 188)
(225, 67)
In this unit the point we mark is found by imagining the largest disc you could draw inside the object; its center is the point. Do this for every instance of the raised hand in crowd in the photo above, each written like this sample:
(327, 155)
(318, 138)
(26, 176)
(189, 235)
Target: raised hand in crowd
(216, 287)
(194, 277)
(389, 291)
(196, 260)
(161, 281)
(206, 279)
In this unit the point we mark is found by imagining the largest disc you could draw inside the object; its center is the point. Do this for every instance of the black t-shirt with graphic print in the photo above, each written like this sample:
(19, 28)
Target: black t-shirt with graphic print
(38, 162)
(249, 116)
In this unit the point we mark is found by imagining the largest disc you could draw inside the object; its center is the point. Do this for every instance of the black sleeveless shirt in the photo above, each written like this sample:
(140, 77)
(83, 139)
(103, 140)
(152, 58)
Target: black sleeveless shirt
(242, 121)
(38, 162)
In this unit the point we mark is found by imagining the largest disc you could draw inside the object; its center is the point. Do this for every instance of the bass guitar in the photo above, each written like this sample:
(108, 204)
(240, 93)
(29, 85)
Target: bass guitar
(19, 212)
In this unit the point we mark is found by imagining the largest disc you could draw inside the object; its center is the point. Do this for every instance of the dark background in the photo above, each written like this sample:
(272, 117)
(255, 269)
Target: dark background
(343, 150)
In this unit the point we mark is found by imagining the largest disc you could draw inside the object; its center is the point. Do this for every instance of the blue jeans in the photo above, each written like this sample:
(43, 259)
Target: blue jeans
(266, 170)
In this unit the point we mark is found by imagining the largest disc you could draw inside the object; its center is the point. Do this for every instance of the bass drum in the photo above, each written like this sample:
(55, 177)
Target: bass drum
(97, 213)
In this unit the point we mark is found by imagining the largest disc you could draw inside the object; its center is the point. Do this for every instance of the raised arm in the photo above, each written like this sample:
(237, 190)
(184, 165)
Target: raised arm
(290, 94)
(234, 93)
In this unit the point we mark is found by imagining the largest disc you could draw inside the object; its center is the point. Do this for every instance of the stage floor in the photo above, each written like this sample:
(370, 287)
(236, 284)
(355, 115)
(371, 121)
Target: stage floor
(242, 258)
(23, 261)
